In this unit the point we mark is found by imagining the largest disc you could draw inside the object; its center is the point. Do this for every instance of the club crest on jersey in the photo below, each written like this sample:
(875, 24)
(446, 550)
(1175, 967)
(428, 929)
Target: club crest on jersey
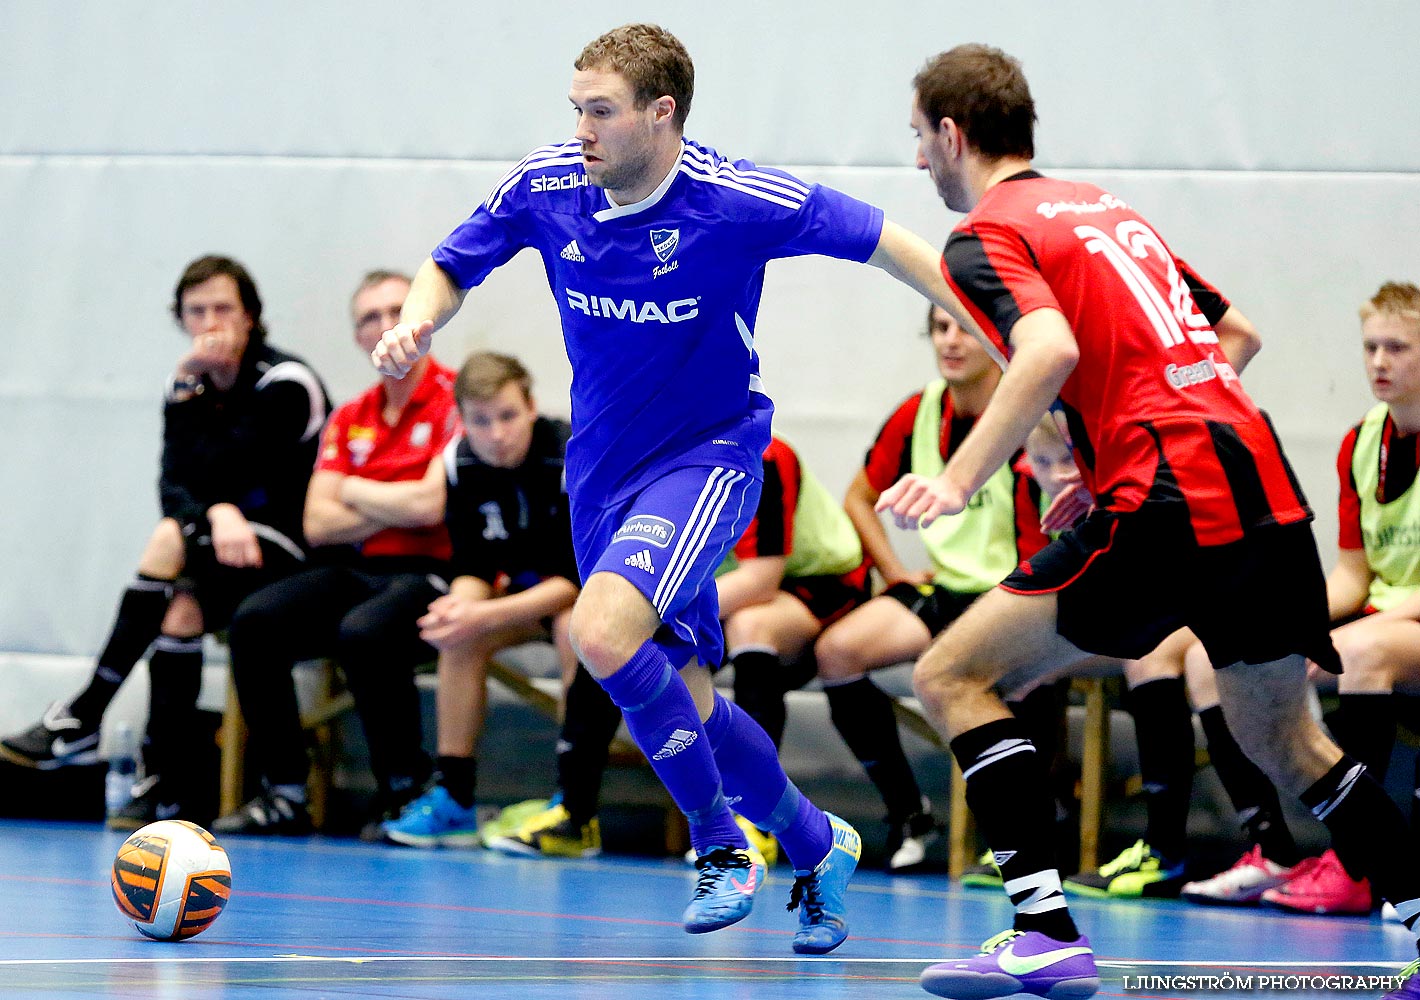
(647, 528)
(664, 242)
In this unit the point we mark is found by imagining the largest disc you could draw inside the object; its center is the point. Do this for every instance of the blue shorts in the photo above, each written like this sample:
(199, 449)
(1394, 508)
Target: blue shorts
(667, 541)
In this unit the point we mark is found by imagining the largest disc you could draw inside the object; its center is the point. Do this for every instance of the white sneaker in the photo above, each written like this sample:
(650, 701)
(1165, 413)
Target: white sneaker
(908, 842)
(1241, 885)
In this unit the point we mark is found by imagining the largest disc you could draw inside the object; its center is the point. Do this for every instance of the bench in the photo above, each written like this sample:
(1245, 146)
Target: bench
(326, 701)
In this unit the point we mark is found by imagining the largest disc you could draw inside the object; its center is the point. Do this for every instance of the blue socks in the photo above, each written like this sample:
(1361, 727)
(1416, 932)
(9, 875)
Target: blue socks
(762, 793)
(662, 719)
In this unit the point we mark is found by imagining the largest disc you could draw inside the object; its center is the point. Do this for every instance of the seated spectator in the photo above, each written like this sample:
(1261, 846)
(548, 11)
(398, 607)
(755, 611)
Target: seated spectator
(514, 580)
(798, 568)
(377, 486)
(1373, 593)
(969, 553)
(241, 424)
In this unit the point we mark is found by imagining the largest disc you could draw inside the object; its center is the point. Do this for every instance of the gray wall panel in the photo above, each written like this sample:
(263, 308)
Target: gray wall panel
(1308, 85)
(314, 147)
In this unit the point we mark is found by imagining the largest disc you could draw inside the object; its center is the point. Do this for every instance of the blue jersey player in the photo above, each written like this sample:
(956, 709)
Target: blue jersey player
(655, 249)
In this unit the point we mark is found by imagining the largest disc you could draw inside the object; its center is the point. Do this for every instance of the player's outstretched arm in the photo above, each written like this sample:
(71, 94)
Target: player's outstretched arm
(432, 301)
(1045, 355)
(914, 262)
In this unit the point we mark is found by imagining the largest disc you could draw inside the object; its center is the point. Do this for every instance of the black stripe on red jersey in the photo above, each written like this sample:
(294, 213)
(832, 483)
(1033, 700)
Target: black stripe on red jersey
(1205, 297)
(1399, 459)
(769, 537)
(1292, 479)
(1079, 438)
(1240, 468)
(972, 271)
(1165, 485)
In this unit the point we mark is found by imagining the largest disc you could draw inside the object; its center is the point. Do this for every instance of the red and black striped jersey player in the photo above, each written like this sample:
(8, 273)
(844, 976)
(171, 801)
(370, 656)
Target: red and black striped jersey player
(1193, 494)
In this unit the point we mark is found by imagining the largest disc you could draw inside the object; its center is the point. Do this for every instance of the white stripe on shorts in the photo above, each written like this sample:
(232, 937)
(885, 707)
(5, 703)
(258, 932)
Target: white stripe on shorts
(697, 529)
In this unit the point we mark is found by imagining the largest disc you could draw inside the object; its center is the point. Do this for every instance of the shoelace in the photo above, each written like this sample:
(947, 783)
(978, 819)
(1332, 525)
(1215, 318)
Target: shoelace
(1131, 857)
(999, 941)
(712, 863)
(806, 891)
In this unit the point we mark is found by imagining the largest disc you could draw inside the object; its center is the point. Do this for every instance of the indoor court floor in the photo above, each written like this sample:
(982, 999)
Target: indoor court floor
(330, 918)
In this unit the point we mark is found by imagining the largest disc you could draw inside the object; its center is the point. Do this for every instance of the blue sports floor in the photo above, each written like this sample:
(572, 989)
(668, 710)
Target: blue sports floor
(328, 918)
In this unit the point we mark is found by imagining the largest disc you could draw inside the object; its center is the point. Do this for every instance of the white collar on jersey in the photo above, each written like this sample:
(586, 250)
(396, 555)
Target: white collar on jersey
(620, 211)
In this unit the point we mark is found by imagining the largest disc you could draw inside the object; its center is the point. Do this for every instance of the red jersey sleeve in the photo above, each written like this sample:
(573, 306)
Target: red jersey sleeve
(334, 455)
(1348, 510)
(995, 274)
(890, 457)
(771, 533)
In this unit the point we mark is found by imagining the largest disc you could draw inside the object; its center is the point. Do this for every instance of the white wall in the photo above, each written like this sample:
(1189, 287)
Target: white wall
(1274, 144)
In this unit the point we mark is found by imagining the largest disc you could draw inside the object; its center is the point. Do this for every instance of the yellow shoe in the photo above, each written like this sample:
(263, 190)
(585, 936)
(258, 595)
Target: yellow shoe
(511, 819)
(760, 840)
(550, 834)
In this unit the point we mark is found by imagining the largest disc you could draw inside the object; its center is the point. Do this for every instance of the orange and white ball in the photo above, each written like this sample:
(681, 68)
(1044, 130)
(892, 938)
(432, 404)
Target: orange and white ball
(171, 880)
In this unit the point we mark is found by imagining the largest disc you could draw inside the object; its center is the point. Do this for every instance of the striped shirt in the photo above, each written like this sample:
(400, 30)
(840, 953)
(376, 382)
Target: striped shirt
(658, 300)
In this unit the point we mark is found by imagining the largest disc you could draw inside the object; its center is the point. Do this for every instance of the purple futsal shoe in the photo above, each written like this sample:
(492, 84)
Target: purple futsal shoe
(1409, 988)
(1020, 962)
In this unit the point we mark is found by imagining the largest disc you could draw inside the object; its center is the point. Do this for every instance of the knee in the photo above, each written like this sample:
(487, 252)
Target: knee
(608, 627)
(938, 680)
(163, 555)
(183, 619)
(747, 627)
(359, 634)
(838, 656)
(1365, 662)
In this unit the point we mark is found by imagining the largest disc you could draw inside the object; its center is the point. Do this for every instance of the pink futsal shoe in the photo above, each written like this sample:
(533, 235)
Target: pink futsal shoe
(1018, 962)
(1409, 978)
(1244, 883)
(1323, 887)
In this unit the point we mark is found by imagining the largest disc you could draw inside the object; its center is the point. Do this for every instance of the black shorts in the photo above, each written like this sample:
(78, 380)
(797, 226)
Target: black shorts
(218, 588)
(1125, 581)
(934, 605)
(829, 598)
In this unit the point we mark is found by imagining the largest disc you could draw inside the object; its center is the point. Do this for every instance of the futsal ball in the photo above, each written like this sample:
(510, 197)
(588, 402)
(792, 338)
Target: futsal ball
(171, 880)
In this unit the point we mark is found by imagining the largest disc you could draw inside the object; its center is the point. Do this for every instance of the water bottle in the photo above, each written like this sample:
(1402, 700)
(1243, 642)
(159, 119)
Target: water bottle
(122, 770)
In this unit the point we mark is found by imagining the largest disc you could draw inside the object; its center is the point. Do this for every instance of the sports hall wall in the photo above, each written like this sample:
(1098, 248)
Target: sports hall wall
(1274, 144)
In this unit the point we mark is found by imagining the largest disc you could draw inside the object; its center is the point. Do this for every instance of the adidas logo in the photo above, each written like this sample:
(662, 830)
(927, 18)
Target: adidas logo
(573, 253)
(642, 561)
(678, 741)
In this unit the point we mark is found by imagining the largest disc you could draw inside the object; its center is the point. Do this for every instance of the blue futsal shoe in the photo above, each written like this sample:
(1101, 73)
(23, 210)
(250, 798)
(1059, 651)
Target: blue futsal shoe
(724, 890)
(818, 895)
(434, 820)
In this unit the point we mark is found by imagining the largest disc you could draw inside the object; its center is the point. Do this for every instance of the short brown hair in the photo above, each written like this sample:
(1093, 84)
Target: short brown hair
(653, 61)
(1394, 298)
(211, 266)
(984, 91)
(485, 373)
(377, 277)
